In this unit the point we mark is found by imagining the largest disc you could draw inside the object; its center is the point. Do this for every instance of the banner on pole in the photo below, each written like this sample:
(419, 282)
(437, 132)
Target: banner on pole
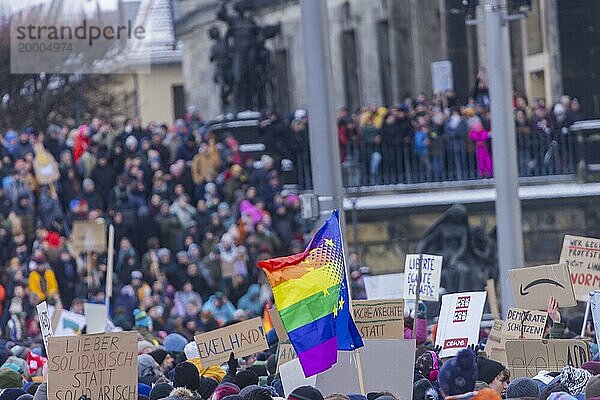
(431, 273)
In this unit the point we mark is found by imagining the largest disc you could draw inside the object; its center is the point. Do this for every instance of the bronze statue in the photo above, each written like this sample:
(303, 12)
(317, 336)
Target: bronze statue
(469, 253)
(241, 60)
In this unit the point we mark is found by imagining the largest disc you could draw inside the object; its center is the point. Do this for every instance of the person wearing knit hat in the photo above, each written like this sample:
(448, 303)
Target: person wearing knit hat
(207, 387)
(145, 347)
(10, 379)
(160, 391)
(593, 367)
(493, 374)
(458, 374)
(163, 359)
(225, 389)
(258, 393)
(575, 379)
(592, 389)
(174, 343)
(522, 387)
(428, 365)
(246, 378)
(148, 370)
(186, 375)
(305, 393)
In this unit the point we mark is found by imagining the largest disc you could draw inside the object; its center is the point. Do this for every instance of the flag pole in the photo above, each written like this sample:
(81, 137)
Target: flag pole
(361, 381)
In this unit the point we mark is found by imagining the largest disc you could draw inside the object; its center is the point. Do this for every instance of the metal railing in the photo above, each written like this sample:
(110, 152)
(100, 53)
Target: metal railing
(446, 160)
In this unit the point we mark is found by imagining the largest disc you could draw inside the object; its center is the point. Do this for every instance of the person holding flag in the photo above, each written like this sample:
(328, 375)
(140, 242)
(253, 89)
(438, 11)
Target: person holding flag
(311, 294)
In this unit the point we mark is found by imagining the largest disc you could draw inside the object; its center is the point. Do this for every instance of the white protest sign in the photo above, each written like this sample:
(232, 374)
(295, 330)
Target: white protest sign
(285, 353)
(45, 323)
(384, 287)
(385, 364)
(582, 254)
(292, 376)
(458, 326)
(441, 76)
(595, 310)
(524, 324)
(100, 367)
(243, 339)
(95, 317)
(69, 323)
(431, 273)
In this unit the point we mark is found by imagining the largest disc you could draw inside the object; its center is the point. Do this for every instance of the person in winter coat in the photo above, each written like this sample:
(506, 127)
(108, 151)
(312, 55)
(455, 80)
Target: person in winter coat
(184, 211)
(456, 130)
(251, 302)
(220, 308)
(206, 162)
(82, 142)
(484, 159)
(416, 328)
(42, 281)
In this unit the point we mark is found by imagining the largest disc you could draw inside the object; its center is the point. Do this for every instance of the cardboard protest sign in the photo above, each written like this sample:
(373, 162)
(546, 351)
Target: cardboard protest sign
(431, 273)
(45, 323)
(526, 357)
(88, 236)
(102, 367)
(494, 347)
(459, 320)
(243, 339)
(95, 317)
(278, 324)
(45, 166)
(582, 255)
(68, 323)
(524, 324)
(532, 286)
(385, 364)
(292, 377)
(379, 319)
(490, 288)
(285, 353)
(227, 269)
(595, 310)
(384, 287)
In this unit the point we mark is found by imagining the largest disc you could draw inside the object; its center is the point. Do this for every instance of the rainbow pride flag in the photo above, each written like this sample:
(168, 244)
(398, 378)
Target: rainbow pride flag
(311, 294)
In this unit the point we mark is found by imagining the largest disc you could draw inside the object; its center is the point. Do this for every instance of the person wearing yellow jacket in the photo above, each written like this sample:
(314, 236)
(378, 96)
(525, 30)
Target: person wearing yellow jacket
(42, 281)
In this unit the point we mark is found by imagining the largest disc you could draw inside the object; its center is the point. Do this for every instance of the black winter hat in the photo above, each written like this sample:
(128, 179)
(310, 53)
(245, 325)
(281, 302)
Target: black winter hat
(488, 369)
(186, 375)
(207, 387)
(421, 389)
(305, 393)
(160, 391)
(246, 378)
(159, 355)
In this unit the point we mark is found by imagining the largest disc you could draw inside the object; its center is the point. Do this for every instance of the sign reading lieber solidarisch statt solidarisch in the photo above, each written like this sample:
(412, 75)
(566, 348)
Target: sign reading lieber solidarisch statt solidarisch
(101, 367)
(243, 339)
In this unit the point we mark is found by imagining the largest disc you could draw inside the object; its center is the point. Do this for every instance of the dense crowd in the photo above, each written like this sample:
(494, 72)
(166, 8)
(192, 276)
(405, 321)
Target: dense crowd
(444, 138)
(193, 215)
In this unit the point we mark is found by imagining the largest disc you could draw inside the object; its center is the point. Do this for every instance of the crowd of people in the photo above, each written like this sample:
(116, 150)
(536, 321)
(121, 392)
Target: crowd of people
(192, 216)
(442, 138)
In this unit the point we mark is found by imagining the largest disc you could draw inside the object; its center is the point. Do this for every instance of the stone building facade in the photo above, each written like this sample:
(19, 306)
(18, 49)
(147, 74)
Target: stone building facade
(382, 50)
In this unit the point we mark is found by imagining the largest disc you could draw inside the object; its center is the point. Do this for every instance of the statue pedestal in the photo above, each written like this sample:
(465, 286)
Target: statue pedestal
(244, 127)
